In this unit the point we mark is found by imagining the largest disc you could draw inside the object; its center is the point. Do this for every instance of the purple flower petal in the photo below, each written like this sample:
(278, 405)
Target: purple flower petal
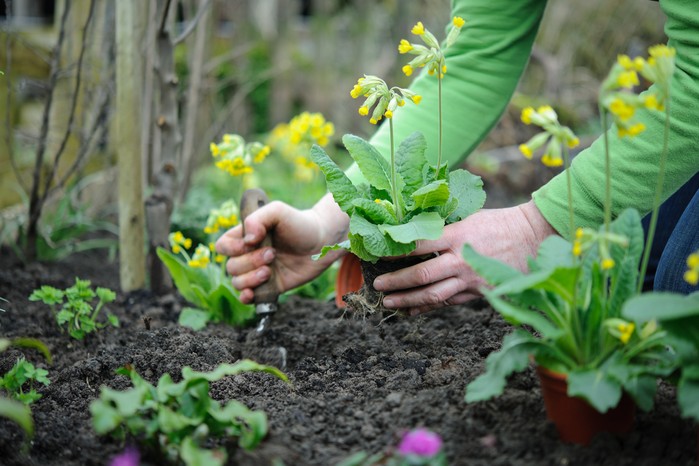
(420, 442)
(130, 457)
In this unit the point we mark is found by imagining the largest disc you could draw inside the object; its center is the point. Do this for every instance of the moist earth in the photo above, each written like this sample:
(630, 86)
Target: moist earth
(355, 384)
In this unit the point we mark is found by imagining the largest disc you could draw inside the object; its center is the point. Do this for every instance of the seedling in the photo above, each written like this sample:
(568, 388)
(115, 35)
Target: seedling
(180, 419)
(77, 314)
(19, 381)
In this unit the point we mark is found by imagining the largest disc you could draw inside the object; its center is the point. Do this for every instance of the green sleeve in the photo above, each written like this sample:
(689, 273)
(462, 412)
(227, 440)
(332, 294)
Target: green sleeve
(634, 161)
(483, 68)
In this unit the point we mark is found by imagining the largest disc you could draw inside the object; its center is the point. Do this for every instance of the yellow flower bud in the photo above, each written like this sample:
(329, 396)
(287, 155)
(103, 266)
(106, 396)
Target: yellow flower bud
(416, 99)
(526, 151)
(407, 70)
(404, 46)
(418, 29)
(607, 264)
(363, 110)
(527, 115)
(693, 260)
(458, 22)
(388, 114)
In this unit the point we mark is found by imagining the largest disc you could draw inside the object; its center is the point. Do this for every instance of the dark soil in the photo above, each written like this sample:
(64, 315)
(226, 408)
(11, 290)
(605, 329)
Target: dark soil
(356, 385)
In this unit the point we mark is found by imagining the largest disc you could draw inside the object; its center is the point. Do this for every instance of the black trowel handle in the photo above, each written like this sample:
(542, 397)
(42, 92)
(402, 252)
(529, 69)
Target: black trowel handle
(253, 199)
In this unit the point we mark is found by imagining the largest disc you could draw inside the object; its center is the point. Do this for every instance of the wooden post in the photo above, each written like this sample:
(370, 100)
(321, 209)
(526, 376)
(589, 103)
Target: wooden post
(132, 257)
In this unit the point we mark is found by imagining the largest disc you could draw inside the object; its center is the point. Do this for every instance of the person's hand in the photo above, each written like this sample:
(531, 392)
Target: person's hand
(510, 235)
(296, 236)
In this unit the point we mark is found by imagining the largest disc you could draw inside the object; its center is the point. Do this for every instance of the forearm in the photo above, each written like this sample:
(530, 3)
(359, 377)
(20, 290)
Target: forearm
(334, 223)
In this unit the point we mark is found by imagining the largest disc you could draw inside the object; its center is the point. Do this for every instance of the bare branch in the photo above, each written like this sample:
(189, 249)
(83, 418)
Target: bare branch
(163, 19)
(192, 24)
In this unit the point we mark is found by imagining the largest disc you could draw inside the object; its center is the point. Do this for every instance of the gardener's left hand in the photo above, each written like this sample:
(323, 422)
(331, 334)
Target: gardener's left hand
(509, 235)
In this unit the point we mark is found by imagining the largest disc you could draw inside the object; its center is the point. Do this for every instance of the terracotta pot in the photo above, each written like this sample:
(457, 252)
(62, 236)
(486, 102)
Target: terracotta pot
(575, 419)
(349, 278)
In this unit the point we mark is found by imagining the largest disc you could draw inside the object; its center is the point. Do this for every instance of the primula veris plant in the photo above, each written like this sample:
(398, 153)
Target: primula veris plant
(76, 313)
(418, 447)
(180, 419)
(679, 317)
(405, 198)
(202, 280)
(568, 307)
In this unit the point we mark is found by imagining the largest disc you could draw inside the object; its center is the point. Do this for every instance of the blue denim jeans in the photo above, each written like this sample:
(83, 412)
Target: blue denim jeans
(676, 236)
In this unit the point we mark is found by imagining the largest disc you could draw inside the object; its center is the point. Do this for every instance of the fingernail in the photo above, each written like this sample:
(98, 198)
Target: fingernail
(387, 302)
(249, 238)
(378, 284)
(268, 255)
(262, 274)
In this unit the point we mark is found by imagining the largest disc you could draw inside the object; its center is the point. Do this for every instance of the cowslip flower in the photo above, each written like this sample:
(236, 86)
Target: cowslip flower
(601, 240)
(430, 55)
(178, 241)
(420, 442)
(201, 257)
(691, 276)
(553, 137)
(621, 329)
(222, 218)
(237, 158)
(380, 97)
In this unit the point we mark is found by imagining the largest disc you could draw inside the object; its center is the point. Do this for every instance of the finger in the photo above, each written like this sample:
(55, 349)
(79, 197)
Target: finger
(434, 294)
(424, 273)
(246, 296)
(460, 298)
(239, 265)
(252, 279)
(231, 242)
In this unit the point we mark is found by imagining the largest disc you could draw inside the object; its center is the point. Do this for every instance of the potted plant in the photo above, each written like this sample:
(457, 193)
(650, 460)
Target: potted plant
(403, 199)
(568, 307)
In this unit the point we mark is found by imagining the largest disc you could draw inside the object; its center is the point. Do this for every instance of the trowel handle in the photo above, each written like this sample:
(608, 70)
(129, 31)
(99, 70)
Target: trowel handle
(252, 200)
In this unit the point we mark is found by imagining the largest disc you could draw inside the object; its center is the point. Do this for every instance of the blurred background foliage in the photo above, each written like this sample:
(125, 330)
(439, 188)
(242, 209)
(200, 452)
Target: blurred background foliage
(264, 62)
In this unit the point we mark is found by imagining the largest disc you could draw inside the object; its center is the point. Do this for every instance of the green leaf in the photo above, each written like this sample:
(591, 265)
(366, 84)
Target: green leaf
(426, 225)
(326, 249)
(663, 306)
(342, 189)
(624, 275)
(171, 421)
(223, 370)
(366, 237)
(227, 307)
(554, 252)
(642, 388)
(560, 281)
(493, 271)
(467, 188)
(512, 357)
(255, 429)
(410, 160)
(105, 418)
(432, 195)
(18, 413)
(196, 319)
(688, 392)
(371, 163)
(183, 276)
(596, 387)
(524, 316)
(194, 455)
(373, 212)
(359, 249)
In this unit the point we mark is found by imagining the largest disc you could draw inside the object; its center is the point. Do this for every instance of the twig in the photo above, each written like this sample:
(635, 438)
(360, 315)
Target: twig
(192, 24)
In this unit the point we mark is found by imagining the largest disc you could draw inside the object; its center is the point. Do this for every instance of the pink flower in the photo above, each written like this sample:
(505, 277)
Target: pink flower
(420, 442)
(130, 457)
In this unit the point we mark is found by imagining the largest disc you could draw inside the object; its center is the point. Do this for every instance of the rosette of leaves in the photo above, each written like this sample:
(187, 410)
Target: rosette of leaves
(180, 420)
(381, 226)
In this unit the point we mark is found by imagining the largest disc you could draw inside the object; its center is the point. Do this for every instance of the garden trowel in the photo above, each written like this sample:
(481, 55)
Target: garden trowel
(266, 295)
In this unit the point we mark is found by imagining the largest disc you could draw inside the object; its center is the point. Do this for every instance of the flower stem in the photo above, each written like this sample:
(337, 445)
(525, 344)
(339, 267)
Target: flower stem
(656, 199)
(439, 115)
(394, 191)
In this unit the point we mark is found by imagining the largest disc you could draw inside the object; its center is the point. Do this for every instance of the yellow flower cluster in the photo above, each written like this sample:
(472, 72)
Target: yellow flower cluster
(201, 257)
(224, 217)
(218, 258)
(586, 238)
(178, 241)
(294, 139)
(626, 329)
(235, 157)
(385, 101)
(691, 276)
(553, 137)
(430, 55)
(623, 77)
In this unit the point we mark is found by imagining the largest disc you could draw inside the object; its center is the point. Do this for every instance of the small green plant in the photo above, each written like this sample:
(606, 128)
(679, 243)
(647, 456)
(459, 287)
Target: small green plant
(76, 313)
(19, 411)
(405, 198)
(180, 419)
(204, 283)
(19, 381)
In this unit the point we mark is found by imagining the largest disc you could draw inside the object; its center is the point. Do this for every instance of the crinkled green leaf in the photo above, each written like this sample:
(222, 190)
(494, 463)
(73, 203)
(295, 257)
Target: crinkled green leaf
(467, 188)
(371, 163)
(432, 195)
(342, 189)
(326, 249)
(624, 274)
(512, 357)
(425, 225)
(373, 212)
(410, 161)
(596, 387)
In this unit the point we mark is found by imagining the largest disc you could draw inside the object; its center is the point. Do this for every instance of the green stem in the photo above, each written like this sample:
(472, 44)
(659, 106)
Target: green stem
(97, 310)
(607, 173)
(657, 198)
(439, 100)
(394, 191)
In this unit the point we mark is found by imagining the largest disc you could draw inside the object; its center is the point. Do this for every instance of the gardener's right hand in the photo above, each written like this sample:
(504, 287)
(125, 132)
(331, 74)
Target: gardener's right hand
(296, 236)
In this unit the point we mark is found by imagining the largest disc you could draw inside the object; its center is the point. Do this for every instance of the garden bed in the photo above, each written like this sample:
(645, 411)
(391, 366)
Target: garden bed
(355, 385)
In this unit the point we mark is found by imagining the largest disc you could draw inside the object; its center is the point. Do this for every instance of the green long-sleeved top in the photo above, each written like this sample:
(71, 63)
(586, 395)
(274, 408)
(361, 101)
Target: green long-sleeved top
(484, 67)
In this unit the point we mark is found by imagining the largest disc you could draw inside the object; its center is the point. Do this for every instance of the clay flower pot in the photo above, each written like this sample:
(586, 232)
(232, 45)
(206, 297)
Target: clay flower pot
(349, 278)
(577, 421)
